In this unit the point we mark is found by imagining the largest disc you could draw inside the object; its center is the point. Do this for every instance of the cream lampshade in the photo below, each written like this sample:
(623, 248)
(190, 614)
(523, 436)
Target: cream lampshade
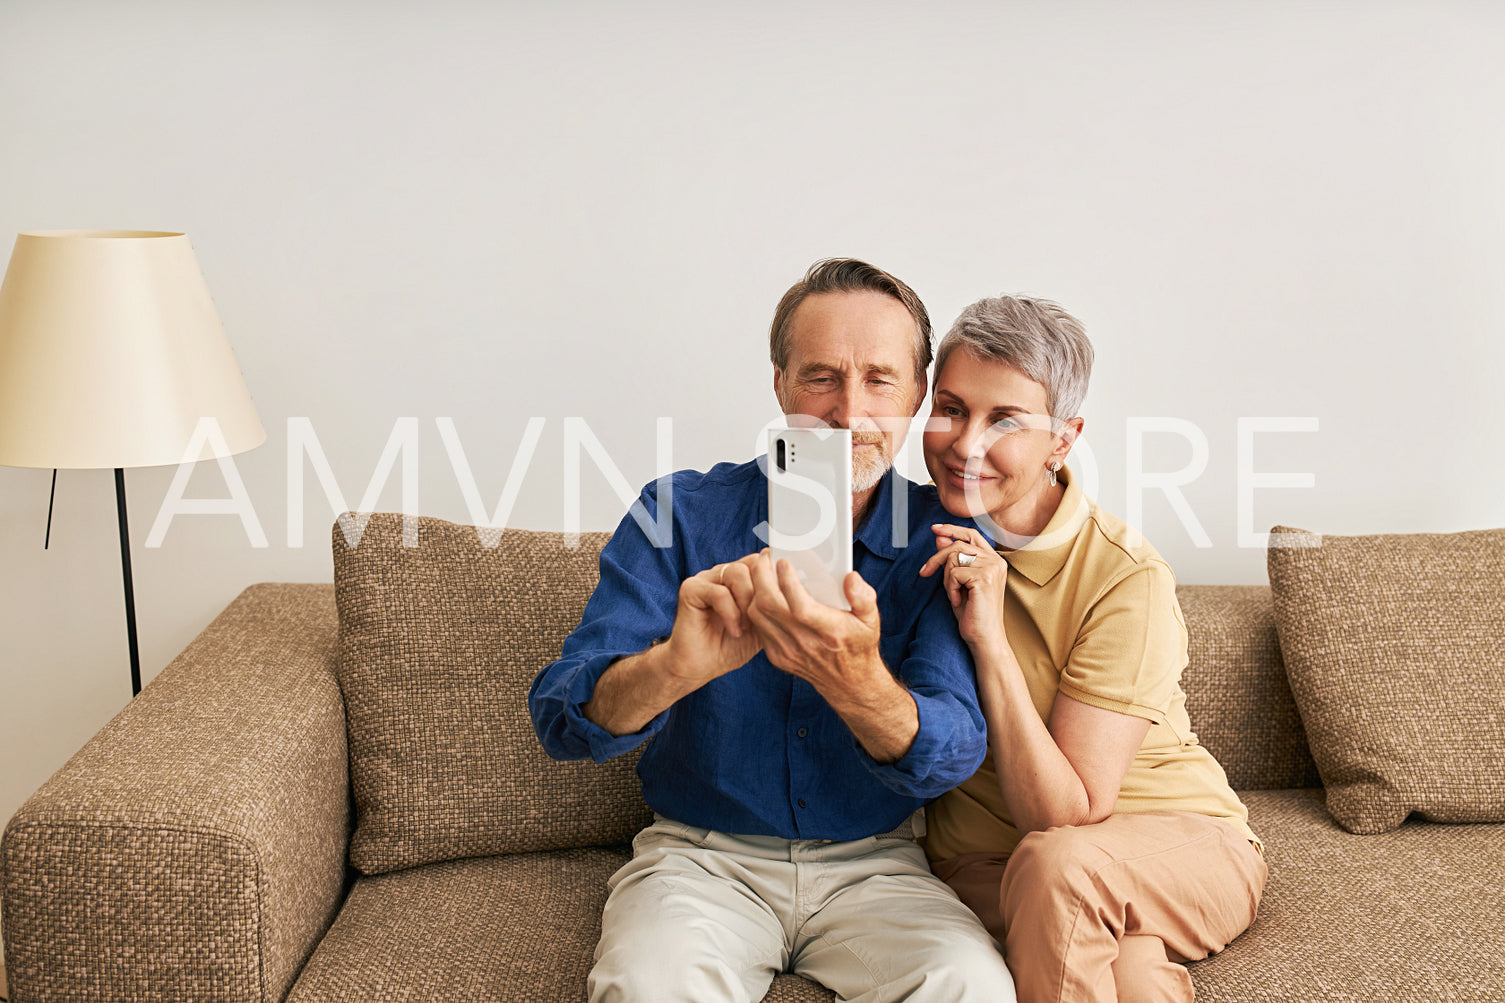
(110, 353)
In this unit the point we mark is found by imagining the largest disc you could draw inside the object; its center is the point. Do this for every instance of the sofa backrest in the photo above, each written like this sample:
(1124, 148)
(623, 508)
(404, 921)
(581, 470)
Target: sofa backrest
(1235, 682)
(1236, 690)
(440, 643)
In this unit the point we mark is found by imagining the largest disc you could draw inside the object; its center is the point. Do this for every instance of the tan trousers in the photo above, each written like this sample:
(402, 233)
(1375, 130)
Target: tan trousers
(1104, 913)
(699, 916)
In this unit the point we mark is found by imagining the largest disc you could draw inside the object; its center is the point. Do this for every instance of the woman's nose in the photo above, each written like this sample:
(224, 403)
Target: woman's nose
(968, 441)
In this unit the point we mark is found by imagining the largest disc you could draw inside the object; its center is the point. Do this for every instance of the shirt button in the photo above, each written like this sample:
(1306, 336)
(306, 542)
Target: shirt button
(802, 732)
(801, 802)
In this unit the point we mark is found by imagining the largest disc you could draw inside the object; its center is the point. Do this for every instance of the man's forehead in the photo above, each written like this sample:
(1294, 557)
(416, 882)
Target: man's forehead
(863, 328)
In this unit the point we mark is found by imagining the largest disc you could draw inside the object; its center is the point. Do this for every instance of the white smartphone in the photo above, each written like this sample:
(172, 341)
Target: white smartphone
(810, 507)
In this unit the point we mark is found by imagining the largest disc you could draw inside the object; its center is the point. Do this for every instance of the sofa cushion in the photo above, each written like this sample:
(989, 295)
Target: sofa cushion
(438, 645)
(1414, 914)
(1410, 915)
(521, 928)
(1395, 649)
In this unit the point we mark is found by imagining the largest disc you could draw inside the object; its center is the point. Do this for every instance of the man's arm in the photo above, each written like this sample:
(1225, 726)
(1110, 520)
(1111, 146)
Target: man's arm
(710, 638)
(633, 603)
(882, 714)
(834, 650)
(924, 730)
(612, 685)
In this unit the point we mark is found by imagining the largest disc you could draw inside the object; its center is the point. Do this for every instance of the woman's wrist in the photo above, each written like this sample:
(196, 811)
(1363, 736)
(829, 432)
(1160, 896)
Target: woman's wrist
(993, 649)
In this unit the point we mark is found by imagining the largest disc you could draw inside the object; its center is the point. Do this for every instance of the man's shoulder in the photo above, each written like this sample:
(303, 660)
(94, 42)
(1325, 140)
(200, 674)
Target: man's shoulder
(924, 502)
(925, 510)
(721, 478)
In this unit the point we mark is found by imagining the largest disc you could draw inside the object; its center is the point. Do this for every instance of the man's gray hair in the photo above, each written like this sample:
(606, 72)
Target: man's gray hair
(847, 275)
(1035, 336)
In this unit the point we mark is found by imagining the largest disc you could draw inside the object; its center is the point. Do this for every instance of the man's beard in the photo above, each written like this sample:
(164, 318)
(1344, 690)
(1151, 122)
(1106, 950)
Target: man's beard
(869, 465)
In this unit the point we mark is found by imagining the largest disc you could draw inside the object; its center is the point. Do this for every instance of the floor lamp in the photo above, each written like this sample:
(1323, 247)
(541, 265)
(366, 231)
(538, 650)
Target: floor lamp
(110, 353)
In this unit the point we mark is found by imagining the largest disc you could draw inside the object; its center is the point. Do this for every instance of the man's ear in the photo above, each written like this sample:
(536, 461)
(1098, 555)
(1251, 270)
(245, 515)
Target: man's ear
(778, 386)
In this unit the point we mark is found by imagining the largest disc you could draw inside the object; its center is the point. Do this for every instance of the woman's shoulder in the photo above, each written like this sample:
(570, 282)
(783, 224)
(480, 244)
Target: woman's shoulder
(1111, 550)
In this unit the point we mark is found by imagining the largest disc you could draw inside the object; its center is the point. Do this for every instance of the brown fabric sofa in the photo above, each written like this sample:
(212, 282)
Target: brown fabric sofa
(197, 848)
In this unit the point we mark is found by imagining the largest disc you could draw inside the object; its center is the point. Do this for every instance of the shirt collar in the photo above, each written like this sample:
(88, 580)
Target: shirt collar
(876, 532)
(1042, 558)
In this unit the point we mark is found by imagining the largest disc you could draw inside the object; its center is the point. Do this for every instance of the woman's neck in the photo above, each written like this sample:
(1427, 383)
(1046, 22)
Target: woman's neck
(1029, 516)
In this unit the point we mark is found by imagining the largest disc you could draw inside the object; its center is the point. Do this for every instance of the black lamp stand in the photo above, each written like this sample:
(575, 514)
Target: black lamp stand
(125, 569)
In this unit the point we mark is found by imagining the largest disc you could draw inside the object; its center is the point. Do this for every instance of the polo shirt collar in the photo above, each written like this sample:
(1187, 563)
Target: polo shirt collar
(1042, 558)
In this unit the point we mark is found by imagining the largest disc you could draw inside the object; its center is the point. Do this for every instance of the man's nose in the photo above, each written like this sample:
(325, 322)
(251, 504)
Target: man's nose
(843, 406)
(855, 409)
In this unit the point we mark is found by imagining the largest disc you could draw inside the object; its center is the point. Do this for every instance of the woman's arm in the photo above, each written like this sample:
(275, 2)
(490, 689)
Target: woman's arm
(1067, 772)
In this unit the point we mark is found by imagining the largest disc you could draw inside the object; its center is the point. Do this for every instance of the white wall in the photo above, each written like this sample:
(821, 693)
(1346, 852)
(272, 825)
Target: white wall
(495, 211)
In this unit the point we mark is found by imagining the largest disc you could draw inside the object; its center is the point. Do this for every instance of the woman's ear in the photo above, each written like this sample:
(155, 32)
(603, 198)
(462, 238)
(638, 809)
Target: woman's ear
(1067, 437)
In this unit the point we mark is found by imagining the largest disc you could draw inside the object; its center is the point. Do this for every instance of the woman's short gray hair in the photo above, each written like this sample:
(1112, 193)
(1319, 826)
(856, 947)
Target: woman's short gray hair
(1033, 335)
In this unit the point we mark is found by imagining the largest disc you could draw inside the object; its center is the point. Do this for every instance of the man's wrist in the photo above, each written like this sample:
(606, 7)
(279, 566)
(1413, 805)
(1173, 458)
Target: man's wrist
(636, 689)
(664, 664)
(879, 709)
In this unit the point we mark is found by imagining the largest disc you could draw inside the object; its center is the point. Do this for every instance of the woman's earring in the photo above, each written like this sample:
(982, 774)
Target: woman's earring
(1051, 472)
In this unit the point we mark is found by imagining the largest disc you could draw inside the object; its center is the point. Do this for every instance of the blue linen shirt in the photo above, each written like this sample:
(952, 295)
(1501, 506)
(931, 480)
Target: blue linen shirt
(758, 751)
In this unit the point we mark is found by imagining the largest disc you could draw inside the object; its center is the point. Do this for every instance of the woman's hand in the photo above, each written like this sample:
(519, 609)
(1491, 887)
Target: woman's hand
(977, 589)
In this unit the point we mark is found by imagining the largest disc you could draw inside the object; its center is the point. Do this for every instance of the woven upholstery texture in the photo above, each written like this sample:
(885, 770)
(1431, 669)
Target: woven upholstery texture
(1395, 649)
(194, 848)
(520, 928)
(439, 643)
(1406, 916)
(1417, 913)
(1236, 690)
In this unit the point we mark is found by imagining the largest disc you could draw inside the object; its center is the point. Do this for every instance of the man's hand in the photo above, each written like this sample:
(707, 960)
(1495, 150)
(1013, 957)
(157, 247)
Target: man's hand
(823, 645)
(711, 637)
(834, 650)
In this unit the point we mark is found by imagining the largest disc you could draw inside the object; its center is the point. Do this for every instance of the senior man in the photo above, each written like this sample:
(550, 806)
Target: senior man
(792, 742)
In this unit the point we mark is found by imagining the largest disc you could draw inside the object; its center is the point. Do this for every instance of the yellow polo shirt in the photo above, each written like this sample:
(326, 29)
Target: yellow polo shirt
(1092, 613)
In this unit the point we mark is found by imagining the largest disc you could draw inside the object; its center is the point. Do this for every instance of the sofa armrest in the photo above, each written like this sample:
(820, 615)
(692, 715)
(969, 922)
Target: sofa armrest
(195, 847)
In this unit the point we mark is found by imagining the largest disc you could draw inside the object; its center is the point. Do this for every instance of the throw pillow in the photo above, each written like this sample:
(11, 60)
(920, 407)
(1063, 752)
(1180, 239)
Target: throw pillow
(438, 646)
(1395, 649)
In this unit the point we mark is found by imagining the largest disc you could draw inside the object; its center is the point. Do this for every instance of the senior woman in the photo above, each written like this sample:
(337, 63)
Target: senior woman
(1099, 842)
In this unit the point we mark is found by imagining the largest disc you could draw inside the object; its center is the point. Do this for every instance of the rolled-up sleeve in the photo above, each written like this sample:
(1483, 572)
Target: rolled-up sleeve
(632, 606)
(952, 738)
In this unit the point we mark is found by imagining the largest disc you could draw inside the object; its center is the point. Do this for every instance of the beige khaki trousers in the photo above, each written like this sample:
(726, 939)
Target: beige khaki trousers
(699, 916)
(1105, 913)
